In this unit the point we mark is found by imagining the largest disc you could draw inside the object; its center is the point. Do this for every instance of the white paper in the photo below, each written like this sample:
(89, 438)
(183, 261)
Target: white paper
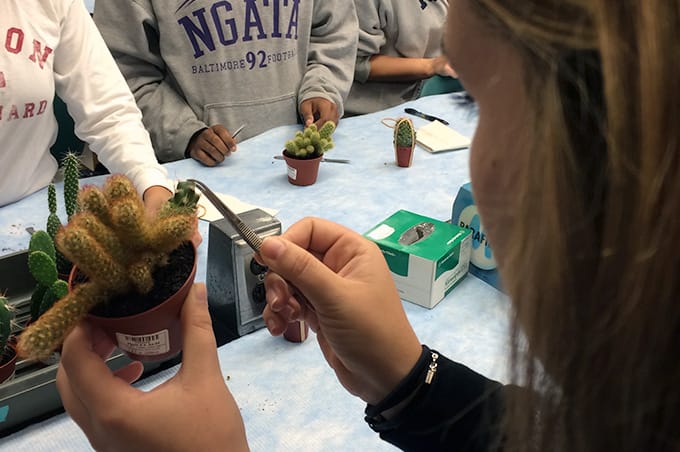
(208, 212)
(436, 137)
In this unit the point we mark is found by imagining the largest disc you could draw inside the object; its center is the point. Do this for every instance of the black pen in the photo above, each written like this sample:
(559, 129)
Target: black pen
(420, 114)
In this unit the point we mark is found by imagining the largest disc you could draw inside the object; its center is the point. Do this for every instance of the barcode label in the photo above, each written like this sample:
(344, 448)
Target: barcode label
(145, 345)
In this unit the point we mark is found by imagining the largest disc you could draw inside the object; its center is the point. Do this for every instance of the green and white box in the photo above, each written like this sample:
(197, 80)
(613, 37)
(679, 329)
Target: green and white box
(427, 257)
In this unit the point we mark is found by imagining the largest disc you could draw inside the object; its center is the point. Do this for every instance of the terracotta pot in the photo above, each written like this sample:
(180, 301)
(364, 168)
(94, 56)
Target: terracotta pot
(152, 335)
(403, 155)
(8, 361)
(297, 331)
(302, 171)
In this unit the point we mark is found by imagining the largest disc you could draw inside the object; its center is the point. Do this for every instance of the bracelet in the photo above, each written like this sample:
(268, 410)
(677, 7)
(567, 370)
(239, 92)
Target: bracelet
(422, 373)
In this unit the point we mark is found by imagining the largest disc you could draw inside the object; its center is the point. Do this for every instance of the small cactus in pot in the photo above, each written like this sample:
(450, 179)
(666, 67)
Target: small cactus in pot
(404, 142)
(303, 153)
(8, 355)
(117, 248)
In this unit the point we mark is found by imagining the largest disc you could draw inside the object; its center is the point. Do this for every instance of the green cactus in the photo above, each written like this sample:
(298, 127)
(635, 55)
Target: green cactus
(311, 143)
(6, 318)
(404, 133)
(43, 266)
(117, 247)
(71, 186)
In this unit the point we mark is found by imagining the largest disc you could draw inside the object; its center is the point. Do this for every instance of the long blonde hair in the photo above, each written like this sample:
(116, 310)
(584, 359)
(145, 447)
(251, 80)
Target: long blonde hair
(594, 272)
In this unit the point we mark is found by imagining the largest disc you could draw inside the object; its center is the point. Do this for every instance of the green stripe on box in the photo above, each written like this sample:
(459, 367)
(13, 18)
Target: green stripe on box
(397, 260)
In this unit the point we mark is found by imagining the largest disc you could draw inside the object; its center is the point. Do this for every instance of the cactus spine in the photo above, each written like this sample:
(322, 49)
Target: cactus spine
(311, 143)
(117, 247)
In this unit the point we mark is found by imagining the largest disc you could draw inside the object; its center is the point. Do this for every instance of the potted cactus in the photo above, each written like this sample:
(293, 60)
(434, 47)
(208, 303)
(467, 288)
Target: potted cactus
(8, 355)
(404, 142)
(131, 273)
(304, 152)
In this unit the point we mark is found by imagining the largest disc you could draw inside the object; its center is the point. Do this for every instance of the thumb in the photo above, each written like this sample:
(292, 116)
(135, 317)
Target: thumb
(199, 352)
(299, 267)
(307, 112)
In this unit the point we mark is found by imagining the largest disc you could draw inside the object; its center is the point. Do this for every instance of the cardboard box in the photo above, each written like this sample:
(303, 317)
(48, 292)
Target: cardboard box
(464, 214)
(427, 257)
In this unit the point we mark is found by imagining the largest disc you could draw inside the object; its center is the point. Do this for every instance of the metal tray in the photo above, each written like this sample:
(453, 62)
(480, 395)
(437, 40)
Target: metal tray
(32, 395)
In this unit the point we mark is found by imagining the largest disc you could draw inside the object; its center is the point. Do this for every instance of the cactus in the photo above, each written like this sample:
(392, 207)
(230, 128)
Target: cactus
(311, 143)
(43, 266)
(71, 165)
(6, 318)
(117, 247)
(404, 133)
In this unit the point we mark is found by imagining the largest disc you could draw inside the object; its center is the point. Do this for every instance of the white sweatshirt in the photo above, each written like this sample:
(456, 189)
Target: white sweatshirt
(48, 45)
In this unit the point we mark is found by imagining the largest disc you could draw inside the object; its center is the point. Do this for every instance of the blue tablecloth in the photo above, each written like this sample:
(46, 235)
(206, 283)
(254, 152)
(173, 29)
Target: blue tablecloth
(289, 397)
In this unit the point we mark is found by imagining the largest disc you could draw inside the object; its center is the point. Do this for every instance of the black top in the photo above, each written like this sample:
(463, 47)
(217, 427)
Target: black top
(459, 410)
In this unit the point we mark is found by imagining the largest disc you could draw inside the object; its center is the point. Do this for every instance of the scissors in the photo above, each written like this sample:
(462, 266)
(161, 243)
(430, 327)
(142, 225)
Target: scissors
(253, 240)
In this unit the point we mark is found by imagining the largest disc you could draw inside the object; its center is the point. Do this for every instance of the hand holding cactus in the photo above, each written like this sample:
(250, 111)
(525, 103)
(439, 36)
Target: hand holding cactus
(117, 247)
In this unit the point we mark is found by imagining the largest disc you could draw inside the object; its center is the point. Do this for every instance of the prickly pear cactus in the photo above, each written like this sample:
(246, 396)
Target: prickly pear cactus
(43, 266)
(311, 143)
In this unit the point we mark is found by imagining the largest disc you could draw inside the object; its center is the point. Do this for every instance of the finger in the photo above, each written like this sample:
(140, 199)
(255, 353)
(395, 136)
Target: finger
(71, 403)
(202, 157)
(327, 112)
(225, 136)
(307, 112)
(199, 355)
(130, 372)
(91, 380)
(298, 266)
(209, 147)
(275, 322)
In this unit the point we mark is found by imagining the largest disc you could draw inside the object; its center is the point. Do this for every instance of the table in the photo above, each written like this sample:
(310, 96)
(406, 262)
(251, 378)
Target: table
(288, 395)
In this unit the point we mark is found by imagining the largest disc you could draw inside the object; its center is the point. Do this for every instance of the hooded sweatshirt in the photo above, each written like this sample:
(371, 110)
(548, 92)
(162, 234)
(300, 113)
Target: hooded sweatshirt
(53, 46)
(398, 28)
(192, 64)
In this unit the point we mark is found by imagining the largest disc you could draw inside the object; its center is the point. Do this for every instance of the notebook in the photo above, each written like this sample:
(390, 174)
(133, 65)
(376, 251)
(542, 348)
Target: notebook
(436, 137)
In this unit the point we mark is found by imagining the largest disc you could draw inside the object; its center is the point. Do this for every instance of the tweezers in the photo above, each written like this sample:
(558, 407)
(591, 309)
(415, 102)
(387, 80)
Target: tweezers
(246, 232)
(251, 238)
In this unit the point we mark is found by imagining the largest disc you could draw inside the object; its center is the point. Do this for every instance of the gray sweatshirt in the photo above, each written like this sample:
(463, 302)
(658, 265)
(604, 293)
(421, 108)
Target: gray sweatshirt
(197, 63)
(399, 28)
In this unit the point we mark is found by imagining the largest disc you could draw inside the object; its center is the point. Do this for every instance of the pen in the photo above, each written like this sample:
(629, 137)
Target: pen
(420, 114)
(324, 159)
(243, 126)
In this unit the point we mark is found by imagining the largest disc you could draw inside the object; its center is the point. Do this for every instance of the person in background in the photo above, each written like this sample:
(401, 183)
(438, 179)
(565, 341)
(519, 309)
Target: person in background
(575, 166)
(400, 46)
(201, 69)
(52, 46)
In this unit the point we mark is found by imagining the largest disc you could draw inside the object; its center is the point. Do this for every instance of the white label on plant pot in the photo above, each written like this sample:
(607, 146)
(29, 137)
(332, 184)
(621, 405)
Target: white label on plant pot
(292, 173)
(145, 345)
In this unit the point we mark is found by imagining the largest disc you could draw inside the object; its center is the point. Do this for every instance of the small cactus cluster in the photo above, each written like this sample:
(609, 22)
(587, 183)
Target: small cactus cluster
(404, 133)
(311, 143)
(117, 246)
(6, 318)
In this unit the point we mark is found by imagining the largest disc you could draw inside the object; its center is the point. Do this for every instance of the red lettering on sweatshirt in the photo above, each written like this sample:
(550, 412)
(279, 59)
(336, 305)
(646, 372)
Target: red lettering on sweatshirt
(14, 40)
(27, 111)
(38, 55)
(2, 80)
(14, 43)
